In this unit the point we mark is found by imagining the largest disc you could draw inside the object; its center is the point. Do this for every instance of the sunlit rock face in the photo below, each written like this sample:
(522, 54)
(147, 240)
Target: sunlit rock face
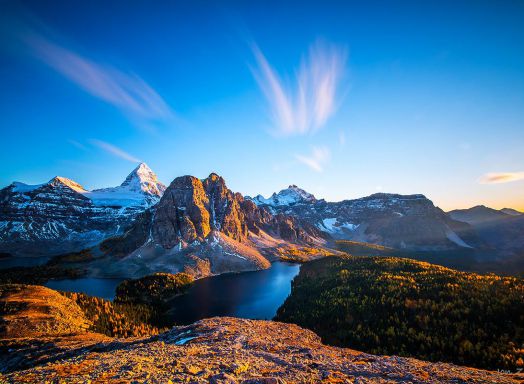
(181, 214)
(191, 209)
(224, 207)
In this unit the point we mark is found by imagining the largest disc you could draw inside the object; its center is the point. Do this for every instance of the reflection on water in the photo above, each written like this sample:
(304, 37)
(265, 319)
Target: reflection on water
(253, 295)
(91, 286)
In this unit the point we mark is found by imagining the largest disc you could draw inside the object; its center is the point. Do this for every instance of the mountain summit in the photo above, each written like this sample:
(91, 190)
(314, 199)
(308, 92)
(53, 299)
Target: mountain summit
(61, 182)
(140, 188)
(143, 179)
(289, 196)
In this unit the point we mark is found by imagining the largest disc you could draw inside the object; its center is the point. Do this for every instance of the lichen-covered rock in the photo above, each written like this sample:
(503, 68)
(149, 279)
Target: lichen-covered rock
(231, 350)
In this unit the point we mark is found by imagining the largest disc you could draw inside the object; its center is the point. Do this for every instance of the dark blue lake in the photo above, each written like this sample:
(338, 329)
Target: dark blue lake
(92, 286)
(253, 295)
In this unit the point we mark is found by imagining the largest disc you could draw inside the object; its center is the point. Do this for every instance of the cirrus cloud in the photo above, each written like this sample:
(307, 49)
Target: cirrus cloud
(501, 177)
(311, 101)
(317, 159)
(114, 150)
(124, 90)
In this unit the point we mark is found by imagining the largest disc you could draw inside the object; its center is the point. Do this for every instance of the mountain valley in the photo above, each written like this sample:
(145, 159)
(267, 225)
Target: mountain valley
(161, 241)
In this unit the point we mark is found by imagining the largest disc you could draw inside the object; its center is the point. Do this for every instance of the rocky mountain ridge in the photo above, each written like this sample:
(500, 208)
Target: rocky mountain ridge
(195, 221)
(289, 196)
(409, 222)
(501, 230)
(62, 216)
(480, 214)
(202, 223)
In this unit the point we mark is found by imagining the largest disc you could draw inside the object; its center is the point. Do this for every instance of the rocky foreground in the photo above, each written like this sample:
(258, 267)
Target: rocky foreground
(219, 350)
(47, 337)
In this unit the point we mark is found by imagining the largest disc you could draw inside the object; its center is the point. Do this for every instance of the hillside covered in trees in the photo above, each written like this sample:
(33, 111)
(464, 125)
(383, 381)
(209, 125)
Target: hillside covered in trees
(117, 319)
(387, 305)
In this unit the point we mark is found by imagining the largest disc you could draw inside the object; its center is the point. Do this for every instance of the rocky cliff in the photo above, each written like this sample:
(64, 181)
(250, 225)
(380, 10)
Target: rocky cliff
(202, 224)
(192, 208)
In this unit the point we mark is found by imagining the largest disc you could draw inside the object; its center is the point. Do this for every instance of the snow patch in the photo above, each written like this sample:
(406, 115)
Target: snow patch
(22, 188)
(452, 236)
(236, 255)
(289, 196)
(184, 340)
(330, 225)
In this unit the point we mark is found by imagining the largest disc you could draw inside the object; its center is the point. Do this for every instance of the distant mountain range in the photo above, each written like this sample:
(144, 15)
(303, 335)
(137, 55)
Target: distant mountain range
(61, 215)
(199, 224)
(399, 221)
(502, 231)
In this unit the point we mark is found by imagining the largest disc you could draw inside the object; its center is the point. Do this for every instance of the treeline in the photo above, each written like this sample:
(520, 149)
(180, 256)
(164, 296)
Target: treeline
(153, 289)
(386, 305)
(117, 319)
(357, 248)
(38, 275)
(138, 308)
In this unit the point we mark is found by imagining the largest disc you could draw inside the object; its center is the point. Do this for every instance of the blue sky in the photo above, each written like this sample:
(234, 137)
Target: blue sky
(343, 100)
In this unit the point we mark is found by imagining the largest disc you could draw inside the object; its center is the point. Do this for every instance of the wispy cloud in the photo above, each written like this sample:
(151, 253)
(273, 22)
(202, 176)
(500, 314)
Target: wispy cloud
(114, 150)
(317, 159)
(311, 101)
(126, 91)
(342, 138)
(501, 177)
(77, 145)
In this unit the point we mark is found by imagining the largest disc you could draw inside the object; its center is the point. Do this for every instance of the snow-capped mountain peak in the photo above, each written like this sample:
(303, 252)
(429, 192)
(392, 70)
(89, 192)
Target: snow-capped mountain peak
(140, 188)
(59, 181)
(289, 196)
(61, 215)
(143, 179)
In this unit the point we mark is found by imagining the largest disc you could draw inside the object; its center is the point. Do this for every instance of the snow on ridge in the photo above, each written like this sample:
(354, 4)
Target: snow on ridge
(289, 196)
(19, 187)
(57, 181)
(331, 225)
(140, 188)
(116, 197)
